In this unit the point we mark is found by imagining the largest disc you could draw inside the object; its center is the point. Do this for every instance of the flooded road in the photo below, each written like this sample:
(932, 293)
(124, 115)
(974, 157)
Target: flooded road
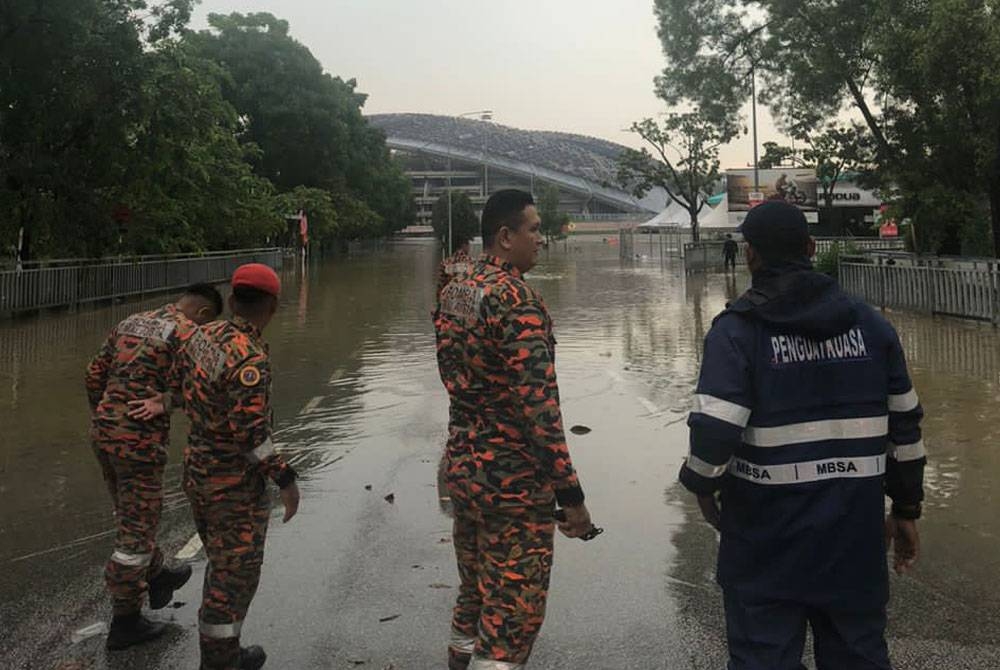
(359, 404)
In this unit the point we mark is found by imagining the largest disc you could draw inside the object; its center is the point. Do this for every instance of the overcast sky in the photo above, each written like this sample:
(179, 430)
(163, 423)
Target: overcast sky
(580, 66)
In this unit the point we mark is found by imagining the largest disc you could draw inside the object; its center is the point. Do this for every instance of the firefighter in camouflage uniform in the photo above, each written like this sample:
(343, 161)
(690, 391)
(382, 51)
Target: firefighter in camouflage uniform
(225, 379)
(134, 365)
(507, 462)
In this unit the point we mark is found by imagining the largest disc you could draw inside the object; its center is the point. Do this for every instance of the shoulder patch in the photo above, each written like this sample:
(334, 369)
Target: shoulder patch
(249, 375)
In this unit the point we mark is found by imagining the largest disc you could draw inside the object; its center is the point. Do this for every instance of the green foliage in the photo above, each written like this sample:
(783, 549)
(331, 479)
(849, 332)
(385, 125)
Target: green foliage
(554, 222)
(923, 75)
(464, 221)
(684, 162)
(121, 132)
(307, 123)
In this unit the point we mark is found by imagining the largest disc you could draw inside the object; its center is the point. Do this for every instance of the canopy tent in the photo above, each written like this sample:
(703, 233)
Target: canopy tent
(674, 216)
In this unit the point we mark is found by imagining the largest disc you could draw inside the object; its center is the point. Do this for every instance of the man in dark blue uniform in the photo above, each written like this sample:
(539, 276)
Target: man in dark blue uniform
(804, 420)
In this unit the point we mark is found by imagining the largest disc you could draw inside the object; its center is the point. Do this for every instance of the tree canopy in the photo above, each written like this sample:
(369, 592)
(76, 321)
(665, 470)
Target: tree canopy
(464, 220)
(124, 132)
(921, 77)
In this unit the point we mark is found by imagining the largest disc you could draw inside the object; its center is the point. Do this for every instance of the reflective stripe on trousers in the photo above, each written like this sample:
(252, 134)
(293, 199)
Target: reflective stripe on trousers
(489, 664)
(132, 560)
(220, 631)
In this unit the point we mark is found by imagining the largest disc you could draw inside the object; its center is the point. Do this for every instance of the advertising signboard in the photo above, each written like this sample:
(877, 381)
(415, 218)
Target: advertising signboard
(795, 185)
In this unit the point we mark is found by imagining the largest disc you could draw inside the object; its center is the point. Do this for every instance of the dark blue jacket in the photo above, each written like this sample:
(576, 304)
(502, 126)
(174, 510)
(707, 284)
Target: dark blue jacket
(804, 419)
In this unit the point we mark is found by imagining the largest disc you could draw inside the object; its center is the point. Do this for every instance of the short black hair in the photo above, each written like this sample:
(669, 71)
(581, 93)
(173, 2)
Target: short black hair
(504, 208)
(208, 292)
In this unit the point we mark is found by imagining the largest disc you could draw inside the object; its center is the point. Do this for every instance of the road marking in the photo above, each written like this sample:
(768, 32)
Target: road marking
(191, 549)
(312, 405)
(337, 375)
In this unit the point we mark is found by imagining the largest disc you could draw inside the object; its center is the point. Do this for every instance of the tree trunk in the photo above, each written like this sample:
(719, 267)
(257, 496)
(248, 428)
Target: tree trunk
(695, 231)
(870, 120)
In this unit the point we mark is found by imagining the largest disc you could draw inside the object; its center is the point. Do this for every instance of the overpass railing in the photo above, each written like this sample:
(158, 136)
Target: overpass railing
(66, 283)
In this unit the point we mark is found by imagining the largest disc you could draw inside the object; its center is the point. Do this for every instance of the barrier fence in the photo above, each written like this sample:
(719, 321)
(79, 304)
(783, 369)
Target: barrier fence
(68, 283)
(965, 289)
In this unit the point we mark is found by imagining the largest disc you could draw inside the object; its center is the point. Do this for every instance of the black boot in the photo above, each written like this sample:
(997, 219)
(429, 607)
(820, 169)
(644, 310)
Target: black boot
(252, 658)
(131, 629)
(163, 585)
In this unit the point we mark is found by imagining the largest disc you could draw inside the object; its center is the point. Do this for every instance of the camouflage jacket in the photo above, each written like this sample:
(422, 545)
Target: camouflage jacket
(224, 376)
(496, 357)
(456, 264)
(135, 363)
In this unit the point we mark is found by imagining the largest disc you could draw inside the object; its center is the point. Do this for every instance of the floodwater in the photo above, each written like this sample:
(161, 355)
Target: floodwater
(355, 581)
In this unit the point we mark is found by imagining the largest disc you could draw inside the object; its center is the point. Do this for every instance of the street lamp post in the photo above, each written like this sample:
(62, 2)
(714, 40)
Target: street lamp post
(484, 115)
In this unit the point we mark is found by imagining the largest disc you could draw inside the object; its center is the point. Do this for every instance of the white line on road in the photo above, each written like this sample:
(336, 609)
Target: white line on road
(191, 549)
(337, 374)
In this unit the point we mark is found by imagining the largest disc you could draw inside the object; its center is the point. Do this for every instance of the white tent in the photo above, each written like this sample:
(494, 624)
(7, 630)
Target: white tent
(674, 216)
(716, 218)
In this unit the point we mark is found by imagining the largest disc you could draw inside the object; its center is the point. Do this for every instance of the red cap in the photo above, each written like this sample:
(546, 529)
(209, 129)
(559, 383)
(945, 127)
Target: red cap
(258, 276)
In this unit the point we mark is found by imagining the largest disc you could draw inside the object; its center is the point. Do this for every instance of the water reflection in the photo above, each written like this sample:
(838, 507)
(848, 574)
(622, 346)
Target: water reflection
(351, 343)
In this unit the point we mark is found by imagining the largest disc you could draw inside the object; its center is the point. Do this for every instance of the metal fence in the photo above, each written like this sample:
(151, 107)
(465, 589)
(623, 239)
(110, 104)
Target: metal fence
(638, 244)
(966, 289)
(67, 283)
(707, 256)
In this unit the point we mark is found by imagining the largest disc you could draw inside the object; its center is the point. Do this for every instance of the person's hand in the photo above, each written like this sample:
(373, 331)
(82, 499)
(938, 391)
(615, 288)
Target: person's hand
(902, 535)
(290, 498)
(710, 510)
(147, 409)
(577, 521)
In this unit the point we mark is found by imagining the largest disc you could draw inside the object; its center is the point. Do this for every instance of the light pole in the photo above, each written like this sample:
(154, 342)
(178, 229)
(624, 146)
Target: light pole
(484, 115)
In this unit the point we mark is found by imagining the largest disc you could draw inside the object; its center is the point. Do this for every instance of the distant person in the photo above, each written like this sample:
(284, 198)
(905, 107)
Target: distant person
(225, 374)
(507, 458)
(804, 419)
(131, 446)
(458, 262)
(729, 251)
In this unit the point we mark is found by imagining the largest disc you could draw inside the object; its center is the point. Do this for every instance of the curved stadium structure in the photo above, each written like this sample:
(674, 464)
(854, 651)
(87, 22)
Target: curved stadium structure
(480, 158)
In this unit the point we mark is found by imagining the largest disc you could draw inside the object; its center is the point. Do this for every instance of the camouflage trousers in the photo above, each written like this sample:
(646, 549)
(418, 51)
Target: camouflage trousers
(136, 489)
(232, 524)
(504, 562)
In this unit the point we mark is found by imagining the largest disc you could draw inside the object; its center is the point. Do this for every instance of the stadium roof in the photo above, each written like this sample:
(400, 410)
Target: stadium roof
(576, 162)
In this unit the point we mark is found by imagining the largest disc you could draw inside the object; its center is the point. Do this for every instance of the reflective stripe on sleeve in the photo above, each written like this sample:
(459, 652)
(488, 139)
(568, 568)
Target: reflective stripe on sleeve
(220, 631)
(700, 467)
(131, 560)
(720, 409)
(265, 449)
(904, 402)
(808, 471)
(817, 431)
(907, 452)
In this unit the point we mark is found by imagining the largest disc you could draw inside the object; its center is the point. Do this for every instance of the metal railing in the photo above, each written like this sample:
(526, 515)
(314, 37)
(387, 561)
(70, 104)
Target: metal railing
(965, 289)
(65, 283)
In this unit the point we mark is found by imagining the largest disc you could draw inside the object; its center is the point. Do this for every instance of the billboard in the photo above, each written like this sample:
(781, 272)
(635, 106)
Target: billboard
(795, 185)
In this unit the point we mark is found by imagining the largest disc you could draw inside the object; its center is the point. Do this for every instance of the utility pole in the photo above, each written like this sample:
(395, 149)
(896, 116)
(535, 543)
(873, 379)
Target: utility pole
(753, 95)
(448, 251)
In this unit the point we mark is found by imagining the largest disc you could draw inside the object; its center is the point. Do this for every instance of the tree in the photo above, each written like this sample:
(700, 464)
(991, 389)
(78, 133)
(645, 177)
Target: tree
(464, 221)
(554, 222)
(307, 123)
(922, 75)
(684, 162)
(832, 152)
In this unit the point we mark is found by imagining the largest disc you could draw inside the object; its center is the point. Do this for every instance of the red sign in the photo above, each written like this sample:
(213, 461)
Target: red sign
(888, 229)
